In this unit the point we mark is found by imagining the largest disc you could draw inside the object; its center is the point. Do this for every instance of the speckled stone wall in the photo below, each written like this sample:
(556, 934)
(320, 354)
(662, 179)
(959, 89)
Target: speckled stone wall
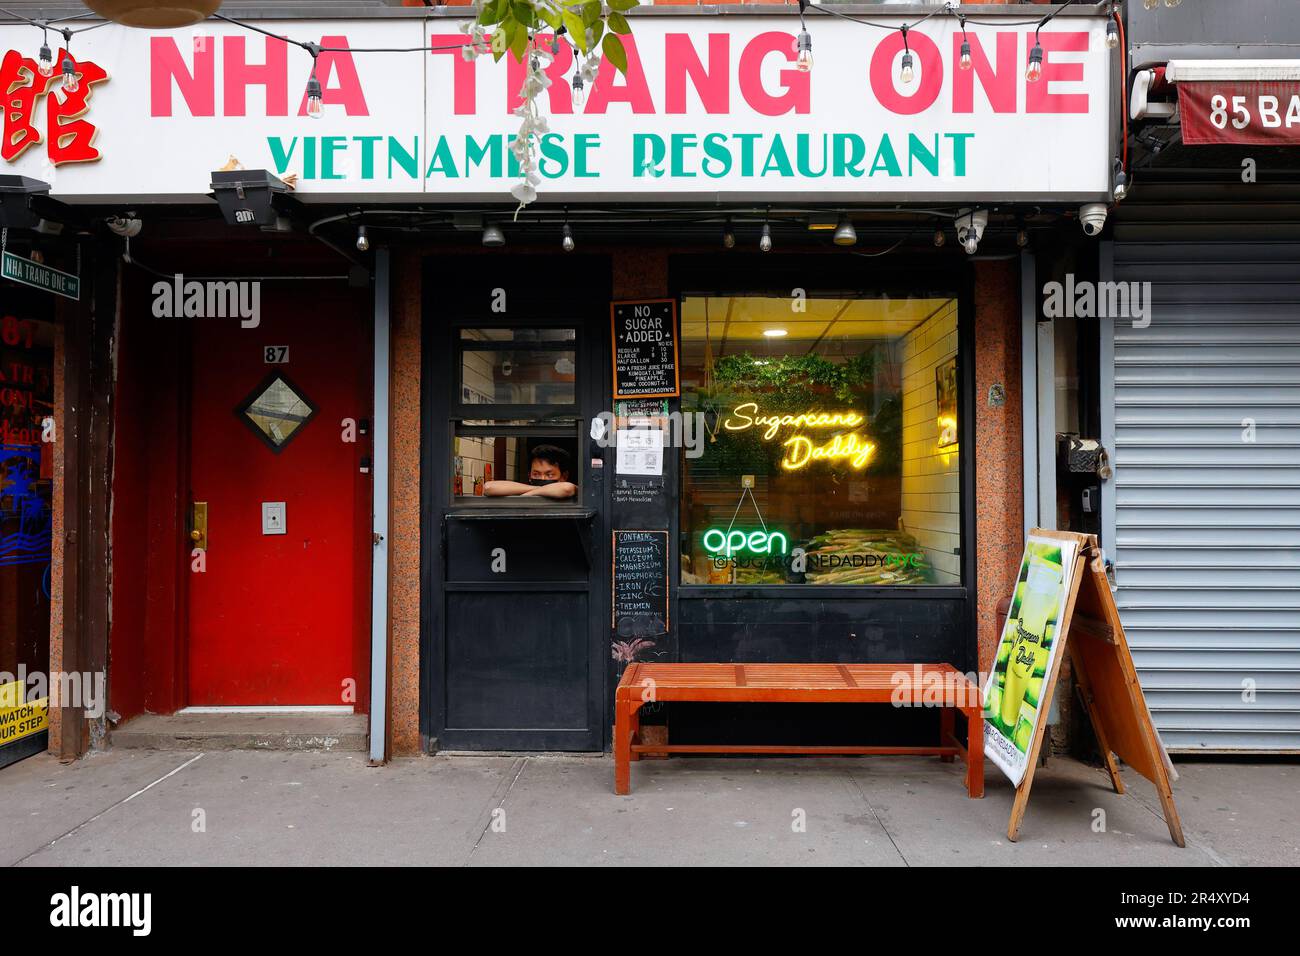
(404, 526)
(56, 532)
(640, 273)
(999, 475)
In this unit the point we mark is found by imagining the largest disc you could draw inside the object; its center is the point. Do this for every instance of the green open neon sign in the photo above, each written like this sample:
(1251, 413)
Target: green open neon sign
(733, 541)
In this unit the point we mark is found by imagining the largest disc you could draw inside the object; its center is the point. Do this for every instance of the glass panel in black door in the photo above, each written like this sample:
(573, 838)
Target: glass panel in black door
(522, 602)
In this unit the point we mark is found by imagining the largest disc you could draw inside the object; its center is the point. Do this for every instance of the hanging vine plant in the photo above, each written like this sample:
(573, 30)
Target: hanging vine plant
(594, 30)
(796, 382)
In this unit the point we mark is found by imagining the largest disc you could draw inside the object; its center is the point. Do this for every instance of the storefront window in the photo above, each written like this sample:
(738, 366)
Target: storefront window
(509, 460)
(516, 437)
(26, 483)
(830, 455)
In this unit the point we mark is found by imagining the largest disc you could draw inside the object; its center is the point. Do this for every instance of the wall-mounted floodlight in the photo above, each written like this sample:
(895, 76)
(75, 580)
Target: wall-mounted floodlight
(18, 196)
(248, 197)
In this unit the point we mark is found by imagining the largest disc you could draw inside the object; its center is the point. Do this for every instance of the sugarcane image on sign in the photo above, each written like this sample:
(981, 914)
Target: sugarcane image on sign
(1027, 651)
(1014, 690)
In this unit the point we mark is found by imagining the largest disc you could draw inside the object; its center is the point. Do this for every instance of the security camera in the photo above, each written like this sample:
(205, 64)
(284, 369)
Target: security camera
(1092, 216)
(126, 226)
(970, 229)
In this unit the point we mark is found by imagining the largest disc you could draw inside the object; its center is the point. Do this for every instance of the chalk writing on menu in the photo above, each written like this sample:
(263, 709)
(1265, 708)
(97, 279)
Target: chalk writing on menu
(640, 598)
(645, 349)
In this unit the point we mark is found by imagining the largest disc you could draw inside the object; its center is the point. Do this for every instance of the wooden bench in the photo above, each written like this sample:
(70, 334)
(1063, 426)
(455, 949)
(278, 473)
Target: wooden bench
(933, 685)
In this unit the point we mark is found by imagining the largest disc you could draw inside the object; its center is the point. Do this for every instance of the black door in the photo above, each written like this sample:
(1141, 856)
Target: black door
(513, 596)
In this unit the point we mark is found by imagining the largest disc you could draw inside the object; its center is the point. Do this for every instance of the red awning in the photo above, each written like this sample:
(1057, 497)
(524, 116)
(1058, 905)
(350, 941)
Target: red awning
(1254, 102)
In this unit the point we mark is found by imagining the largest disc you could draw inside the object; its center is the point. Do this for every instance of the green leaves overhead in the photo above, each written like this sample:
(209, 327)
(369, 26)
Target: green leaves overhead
(519, 44)
(492, 11)
(576, 29)
(612, 47)
(586, 24)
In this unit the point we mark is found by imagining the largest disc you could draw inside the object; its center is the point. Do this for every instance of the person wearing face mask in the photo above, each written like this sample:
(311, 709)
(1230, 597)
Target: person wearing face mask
(548, 477)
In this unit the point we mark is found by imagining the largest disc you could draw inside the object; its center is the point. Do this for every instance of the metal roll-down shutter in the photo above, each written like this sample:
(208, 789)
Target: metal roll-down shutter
(1206, 522)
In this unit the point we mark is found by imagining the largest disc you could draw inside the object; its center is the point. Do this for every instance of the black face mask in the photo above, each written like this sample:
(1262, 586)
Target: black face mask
(540, 481)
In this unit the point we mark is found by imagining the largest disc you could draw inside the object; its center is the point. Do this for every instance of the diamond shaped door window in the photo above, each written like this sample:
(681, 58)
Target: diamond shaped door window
(276, 411)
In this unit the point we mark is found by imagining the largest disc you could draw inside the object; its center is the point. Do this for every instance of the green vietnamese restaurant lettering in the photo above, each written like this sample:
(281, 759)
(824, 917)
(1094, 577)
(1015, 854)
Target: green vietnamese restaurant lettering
(677, 156)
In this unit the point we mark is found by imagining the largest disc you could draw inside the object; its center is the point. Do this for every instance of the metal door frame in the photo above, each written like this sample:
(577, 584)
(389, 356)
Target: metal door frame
(586, 312)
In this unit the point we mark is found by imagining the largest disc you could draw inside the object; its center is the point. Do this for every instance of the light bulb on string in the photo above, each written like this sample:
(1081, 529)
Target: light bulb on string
(566, 240)
(907, 74)
(765, 240)
(579, 92)
(71, 83)
(315, 108)
(1035, 71)
(45, 63)
(803, 60)
(964, 63)
(1112, 35)
(803, 45)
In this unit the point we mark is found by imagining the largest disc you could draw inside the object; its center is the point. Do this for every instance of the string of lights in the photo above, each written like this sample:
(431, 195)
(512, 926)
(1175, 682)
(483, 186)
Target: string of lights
(315, 95)
(45, 59)
(42, 23)
(476, 44)
(803, 42)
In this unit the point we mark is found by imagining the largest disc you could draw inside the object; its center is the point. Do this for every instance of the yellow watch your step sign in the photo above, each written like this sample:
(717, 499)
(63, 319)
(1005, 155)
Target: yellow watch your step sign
(20, 718)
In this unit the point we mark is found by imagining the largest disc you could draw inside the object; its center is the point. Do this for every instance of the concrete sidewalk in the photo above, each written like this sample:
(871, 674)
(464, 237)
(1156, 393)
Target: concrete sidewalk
(125, 808)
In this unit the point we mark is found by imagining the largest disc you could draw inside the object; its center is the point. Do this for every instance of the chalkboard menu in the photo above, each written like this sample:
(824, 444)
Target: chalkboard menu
(645, 348)
(640, 583)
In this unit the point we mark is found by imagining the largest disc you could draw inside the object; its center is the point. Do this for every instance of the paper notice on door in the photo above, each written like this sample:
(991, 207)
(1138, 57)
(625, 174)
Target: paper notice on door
(640, 451)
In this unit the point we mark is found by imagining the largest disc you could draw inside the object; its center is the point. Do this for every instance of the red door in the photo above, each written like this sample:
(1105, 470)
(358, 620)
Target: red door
(279, 614)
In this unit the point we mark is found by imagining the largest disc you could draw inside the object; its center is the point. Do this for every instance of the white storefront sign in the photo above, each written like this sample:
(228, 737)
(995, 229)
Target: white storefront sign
(712, 108)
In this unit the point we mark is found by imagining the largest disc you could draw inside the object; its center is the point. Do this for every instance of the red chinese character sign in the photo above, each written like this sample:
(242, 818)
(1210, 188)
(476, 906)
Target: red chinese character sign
(68, 136)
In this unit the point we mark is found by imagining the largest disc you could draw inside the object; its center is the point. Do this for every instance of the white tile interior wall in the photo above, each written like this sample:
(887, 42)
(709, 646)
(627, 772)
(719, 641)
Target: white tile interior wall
(931, 496)
(476, 373)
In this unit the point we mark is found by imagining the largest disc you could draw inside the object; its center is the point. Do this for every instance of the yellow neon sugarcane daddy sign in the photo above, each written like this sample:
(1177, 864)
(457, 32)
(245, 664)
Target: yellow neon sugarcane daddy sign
(800, 449)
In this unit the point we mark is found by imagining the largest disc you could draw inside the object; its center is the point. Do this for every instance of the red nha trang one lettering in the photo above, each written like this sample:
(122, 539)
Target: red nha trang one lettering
(722, 71)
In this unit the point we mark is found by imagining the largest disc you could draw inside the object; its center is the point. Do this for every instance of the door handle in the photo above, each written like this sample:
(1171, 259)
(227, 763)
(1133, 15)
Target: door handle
(199, 525)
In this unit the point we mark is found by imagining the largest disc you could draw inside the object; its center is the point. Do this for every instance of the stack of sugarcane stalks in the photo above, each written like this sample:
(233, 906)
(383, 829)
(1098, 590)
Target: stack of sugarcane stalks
(863, 556)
